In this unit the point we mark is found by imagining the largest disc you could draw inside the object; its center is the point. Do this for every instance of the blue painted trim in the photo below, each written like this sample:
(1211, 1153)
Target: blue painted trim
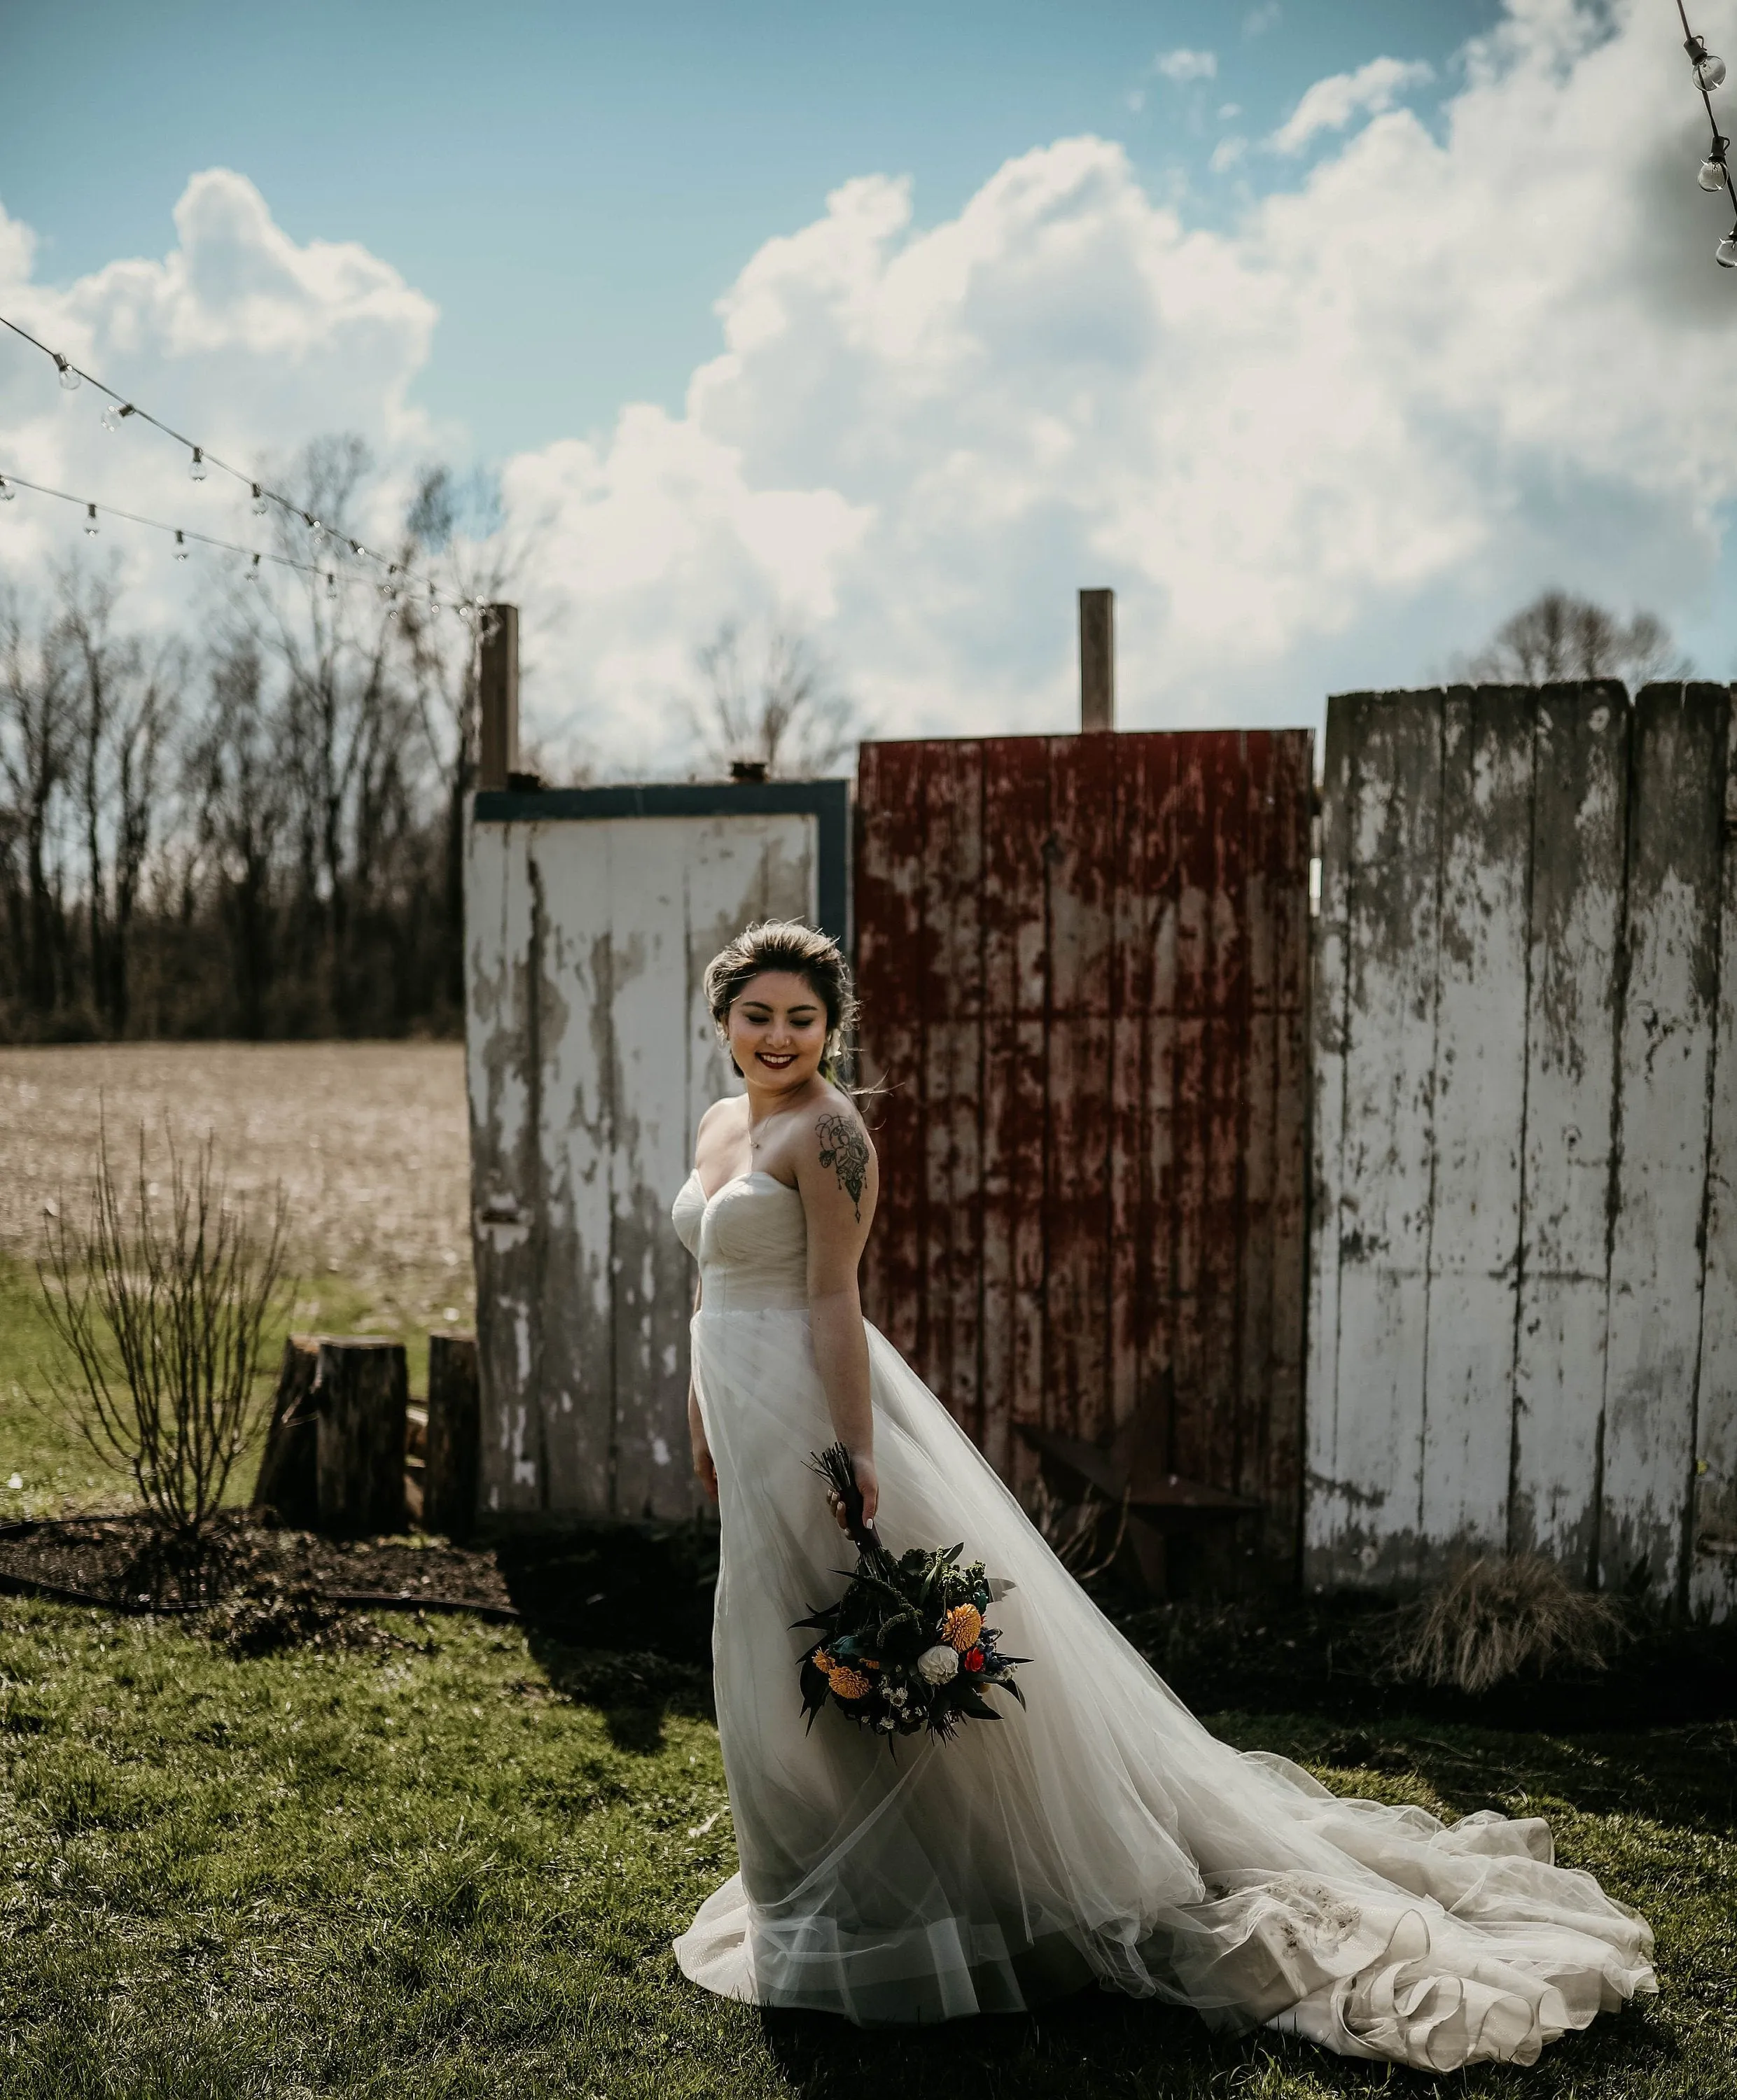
(828, 801)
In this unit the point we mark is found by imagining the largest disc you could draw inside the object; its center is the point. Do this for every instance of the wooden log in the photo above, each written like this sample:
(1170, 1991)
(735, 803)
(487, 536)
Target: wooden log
(286, 1487)
(363, 1396)
(450, 1469)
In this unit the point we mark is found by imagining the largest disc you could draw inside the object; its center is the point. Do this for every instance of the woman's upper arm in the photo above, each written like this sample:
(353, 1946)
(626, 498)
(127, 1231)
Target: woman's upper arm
(838, 1176)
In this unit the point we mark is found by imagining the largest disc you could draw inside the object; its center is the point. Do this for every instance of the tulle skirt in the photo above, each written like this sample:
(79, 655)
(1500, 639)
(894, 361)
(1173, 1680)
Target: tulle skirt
(1100, 1833)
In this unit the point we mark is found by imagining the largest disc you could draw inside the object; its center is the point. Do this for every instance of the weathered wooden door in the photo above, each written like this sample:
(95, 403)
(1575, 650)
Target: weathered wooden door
(1083, 966)
(1524, 1326)
(590, 915)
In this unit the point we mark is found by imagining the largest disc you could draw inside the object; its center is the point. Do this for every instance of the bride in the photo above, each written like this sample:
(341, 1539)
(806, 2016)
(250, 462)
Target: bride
(1101, 1832)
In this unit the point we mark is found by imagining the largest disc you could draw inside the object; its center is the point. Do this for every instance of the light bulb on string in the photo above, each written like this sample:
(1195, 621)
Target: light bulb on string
(111, 417)
(313, 525)
(70, 376)
(254, 573)
(1711, 176)
(195, 469)
(331, 585)
(1709, 70)
(91, 527)
(180, 545)
(258, 503)
(1726, 253)
(8, 494)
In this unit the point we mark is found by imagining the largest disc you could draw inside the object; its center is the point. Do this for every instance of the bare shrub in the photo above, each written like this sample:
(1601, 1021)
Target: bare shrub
(1498, 1618)
(160, 1299)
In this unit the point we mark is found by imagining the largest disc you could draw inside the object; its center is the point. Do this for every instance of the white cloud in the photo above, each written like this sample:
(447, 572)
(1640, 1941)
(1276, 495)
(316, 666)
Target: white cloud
(1323, 448)
(1229, 153)
(1330, 104)
(1258, 20)
(1181, 66)
(239, 336)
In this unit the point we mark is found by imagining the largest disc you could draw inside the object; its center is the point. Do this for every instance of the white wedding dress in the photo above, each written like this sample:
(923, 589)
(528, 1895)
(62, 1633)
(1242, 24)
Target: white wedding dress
(1099, 1833)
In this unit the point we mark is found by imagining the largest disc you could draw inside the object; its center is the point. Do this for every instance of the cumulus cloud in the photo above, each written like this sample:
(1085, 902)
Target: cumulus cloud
(248, 341)
(1327, 446)
(1330, 104)
(1181, 66)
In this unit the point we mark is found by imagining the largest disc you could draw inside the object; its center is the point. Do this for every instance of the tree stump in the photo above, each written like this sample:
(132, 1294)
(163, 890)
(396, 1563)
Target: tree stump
(363, 1394)
(454, 1449)
(287, 1487)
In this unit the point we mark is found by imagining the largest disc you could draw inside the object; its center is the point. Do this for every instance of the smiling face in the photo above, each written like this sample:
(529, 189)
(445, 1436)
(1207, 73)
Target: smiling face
(777, 1031)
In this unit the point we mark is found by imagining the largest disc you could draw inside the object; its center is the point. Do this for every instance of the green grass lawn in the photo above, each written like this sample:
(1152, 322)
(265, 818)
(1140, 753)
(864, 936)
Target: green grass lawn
(436, 1871)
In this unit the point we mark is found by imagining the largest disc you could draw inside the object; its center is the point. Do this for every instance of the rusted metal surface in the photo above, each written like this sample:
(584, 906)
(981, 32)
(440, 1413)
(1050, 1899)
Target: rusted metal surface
(1522, 1257)
(1083, 964)
(591, 1058)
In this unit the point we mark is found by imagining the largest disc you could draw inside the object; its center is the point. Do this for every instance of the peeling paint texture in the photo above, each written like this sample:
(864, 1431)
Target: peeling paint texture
(1523, 1260)
(1083, 963)
(590, 1060)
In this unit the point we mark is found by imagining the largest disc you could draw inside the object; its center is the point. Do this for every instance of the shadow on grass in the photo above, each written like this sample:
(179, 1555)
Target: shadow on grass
(1100, 2043)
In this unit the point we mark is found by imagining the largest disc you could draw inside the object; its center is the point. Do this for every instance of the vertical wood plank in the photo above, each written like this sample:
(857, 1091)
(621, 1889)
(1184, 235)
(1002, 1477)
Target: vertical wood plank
(502, 1062)
(1287, 909)
(1167, 783)
(1369, 1490)
(952, 1015)
(1219, 1309)
(1478, 1113)
(889, 915)
(1578, 855)
(649, 1268)
(1326, 1509)
(1665, 1070)
(1712, 1572)
(1016, 829)
(1138, 791)
(1077, 1138)
(573, 1365)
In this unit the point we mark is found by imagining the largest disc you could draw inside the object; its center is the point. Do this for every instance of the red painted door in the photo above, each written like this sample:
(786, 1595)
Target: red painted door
(1083, 963)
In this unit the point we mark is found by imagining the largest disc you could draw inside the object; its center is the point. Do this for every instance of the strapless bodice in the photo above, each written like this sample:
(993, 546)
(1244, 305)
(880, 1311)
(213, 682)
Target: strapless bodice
(750, 1239)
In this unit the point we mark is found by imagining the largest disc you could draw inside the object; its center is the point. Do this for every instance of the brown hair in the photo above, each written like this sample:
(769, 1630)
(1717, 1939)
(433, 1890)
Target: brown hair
(785, 944)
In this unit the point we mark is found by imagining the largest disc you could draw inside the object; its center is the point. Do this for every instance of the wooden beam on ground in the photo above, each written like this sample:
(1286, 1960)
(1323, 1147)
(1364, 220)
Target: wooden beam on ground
(364, 1395)
(454, 1445)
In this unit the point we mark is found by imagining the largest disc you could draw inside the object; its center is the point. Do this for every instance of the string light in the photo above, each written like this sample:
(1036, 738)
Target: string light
(185, 536)
(71, 376)
(1715, 171)
(116, 413)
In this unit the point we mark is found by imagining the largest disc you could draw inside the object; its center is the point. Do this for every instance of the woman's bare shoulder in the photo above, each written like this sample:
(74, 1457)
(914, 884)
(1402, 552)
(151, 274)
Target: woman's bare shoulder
(845, 1152)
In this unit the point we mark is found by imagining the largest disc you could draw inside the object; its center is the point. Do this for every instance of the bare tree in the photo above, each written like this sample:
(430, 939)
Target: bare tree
(771, 701)
(38, 733)
(1559, 636)
(238, 789)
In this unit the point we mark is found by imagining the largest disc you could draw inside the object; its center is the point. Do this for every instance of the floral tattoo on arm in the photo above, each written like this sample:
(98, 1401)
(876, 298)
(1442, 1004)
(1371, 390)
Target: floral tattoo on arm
(844, 1149)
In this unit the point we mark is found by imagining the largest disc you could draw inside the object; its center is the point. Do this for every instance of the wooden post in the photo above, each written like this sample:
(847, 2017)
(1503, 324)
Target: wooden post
(1097, 659)
(497, 693)
(364, 1392)
(286, 1488)
(454, 1450)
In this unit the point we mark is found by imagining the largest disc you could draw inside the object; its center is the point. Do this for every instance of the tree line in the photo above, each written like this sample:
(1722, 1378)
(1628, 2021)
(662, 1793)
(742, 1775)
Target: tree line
(255, 834)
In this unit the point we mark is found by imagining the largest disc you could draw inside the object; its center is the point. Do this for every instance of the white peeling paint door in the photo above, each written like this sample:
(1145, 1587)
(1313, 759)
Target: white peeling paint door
(591, 1058)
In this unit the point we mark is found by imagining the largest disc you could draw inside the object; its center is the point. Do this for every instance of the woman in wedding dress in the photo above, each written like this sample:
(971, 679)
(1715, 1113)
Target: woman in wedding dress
(1099, 1833)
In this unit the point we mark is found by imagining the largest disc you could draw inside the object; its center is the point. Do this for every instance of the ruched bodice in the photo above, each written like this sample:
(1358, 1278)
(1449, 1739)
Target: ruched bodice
(751, 1241)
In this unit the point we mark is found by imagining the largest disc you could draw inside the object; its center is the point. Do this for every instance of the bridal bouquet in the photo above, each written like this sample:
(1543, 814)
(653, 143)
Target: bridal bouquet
(905, 1647)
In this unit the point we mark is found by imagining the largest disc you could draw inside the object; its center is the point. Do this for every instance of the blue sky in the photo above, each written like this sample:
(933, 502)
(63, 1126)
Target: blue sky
(575, 185)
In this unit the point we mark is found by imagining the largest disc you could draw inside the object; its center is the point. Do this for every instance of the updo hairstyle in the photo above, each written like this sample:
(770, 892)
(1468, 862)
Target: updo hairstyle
(785, 944)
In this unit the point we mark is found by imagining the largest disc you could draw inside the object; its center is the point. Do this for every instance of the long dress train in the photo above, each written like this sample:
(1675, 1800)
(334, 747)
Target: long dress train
(1102, 1833)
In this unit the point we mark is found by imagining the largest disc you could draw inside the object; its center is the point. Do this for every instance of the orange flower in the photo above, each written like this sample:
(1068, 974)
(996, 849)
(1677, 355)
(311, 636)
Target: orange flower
(848, 1683)
(822, 1661)
(961, 1626)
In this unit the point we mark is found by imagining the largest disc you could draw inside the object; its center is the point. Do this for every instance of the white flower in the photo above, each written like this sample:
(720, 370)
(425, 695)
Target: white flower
(935, 1665)
(886, 1721)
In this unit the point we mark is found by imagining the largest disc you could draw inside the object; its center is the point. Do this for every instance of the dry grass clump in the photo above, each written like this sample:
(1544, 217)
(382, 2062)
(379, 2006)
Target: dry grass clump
(1498, 1618)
